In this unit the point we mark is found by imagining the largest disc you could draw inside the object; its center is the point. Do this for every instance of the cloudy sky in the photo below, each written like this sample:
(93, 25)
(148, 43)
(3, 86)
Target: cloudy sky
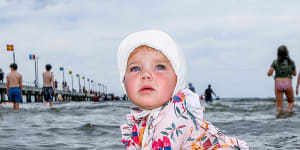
(228, 43)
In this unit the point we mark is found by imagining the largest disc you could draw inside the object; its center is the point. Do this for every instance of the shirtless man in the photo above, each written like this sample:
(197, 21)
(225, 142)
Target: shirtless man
(14, 86)
(48, 85)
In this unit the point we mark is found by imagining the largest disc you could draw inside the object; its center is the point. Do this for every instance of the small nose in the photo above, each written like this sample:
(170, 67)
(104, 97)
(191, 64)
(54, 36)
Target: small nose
(146, 75)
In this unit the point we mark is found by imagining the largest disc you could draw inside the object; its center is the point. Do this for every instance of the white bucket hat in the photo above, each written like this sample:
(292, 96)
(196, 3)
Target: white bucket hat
(160, 41)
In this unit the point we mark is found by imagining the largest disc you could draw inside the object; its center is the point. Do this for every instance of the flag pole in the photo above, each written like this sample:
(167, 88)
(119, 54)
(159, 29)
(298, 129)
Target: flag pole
(10, 47)
(14, 56)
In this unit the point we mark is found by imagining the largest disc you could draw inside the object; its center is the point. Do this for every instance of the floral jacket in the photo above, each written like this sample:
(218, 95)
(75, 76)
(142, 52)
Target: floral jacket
(178, 125)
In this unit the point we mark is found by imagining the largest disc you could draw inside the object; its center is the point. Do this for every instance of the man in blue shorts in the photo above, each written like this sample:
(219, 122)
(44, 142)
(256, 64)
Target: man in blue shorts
(48, 85)
(14, 86)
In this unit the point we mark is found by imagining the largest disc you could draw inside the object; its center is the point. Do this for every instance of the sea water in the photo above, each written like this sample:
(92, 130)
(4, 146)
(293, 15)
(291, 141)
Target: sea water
(95, 126)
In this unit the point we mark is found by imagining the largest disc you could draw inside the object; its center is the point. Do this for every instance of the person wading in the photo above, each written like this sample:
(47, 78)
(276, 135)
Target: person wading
(14, 86)
(284, 70)
(48, 85)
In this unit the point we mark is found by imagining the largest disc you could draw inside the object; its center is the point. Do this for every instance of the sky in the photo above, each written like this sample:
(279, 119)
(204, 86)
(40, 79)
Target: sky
(229, 44)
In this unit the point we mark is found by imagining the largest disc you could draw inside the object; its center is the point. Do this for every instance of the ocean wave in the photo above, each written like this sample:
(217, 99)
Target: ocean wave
(219, 107)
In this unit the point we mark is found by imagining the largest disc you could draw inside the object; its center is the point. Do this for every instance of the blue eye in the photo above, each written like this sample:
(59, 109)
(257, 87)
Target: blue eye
(161, 67)
(135, 68)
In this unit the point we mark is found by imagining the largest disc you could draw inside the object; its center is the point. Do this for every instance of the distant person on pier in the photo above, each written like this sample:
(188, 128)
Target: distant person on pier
(166, 114)
(96, 97)
(208, 94)
(48, 85)
(14, 86)
(84, 90)
(1, 75)
(284, 68)
(55, 84)
(59, 97)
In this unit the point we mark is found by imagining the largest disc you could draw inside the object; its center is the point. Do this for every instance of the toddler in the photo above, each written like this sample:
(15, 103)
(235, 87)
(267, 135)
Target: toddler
(168, 115)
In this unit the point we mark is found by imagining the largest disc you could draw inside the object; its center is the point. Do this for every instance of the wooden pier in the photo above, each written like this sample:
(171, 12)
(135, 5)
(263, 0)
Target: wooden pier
(34, 94)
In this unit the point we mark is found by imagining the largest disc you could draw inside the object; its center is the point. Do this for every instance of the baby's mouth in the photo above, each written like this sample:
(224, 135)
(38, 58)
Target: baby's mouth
(146, 89)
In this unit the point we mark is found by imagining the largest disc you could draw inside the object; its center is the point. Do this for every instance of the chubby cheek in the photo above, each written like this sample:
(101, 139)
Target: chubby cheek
(131, 88)
(130, 84)
(169, 81)
(167, 85)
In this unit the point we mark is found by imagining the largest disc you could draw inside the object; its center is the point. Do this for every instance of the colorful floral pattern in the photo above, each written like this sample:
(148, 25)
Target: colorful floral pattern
(179, 97)
(175, 127)
(163, 144)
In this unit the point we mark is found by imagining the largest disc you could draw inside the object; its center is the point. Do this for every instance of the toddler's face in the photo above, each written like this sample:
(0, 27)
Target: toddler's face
(149, 79)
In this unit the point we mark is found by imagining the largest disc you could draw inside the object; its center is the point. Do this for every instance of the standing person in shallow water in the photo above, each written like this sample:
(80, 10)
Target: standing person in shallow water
(48, 85)
(208, 94)
(167, 115)
(284, 70)
(14, 86)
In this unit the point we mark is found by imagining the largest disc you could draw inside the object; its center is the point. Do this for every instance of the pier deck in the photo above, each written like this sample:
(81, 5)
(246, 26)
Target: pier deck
(34, 94)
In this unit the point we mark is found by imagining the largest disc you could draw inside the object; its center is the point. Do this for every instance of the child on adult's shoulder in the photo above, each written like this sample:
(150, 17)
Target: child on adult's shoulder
(167, 116)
